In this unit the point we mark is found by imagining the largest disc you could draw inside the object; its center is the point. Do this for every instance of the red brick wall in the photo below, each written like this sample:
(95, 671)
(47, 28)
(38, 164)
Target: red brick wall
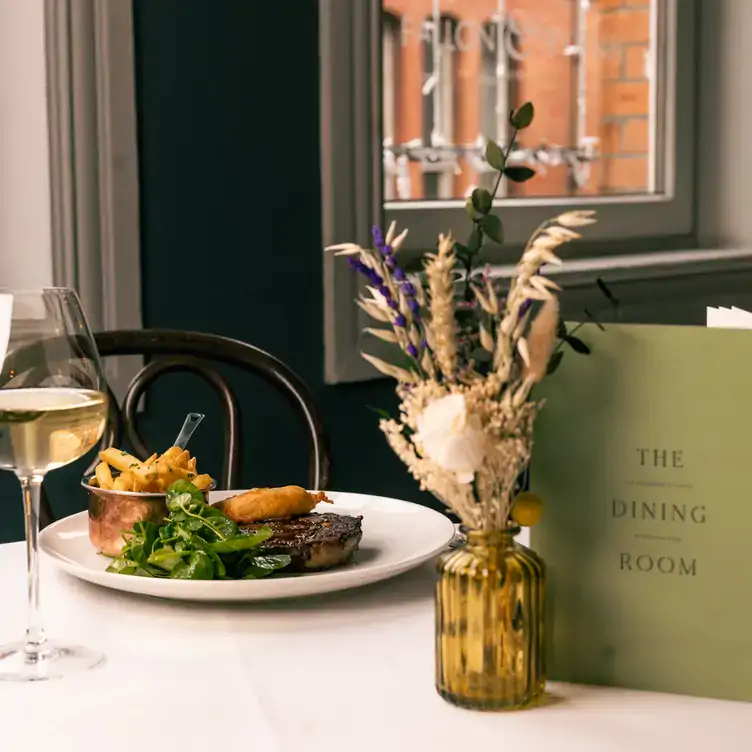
(618, 93)
(621, 120)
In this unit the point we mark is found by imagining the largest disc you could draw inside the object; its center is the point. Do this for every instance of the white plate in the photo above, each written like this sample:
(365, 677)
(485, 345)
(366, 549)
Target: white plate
(397, 536)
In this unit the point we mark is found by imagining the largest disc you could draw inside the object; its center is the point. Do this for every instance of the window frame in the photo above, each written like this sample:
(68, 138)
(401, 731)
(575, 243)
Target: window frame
(439, 106)
(352, 185)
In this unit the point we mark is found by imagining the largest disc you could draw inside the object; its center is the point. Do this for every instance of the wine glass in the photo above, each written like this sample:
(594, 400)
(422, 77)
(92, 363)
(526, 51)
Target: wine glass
(53, 410)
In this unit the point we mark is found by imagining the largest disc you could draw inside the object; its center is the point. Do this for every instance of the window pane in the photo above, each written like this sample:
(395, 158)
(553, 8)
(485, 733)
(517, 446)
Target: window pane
(453, 69)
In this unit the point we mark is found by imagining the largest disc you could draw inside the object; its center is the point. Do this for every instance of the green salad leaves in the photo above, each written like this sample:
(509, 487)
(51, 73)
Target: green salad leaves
(195, 542)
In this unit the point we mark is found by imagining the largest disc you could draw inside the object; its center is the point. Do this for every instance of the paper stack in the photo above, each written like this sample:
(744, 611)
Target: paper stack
(729, 318)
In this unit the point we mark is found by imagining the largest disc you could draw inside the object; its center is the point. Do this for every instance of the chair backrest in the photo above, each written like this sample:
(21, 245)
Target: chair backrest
(194, 352)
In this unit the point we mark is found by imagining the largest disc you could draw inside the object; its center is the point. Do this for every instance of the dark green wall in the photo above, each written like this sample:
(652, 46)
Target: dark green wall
(230, 211)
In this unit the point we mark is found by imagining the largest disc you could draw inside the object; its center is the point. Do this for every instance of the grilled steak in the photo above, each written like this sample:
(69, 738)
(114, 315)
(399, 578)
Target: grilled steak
(313, 541)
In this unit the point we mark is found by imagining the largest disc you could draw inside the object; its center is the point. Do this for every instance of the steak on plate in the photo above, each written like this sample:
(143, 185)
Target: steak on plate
(313, 541)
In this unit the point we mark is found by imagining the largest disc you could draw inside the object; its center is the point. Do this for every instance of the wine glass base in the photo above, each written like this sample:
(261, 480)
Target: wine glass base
(53, 661)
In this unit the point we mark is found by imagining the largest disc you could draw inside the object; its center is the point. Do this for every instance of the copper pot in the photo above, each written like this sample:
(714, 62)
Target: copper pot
(113, 513)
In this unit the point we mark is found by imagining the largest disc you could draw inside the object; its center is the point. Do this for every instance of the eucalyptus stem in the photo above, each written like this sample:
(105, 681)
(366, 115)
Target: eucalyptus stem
(478, 221)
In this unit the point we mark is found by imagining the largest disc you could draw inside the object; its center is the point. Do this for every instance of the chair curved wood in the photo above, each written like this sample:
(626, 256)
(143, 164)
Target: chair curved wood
(183, 351)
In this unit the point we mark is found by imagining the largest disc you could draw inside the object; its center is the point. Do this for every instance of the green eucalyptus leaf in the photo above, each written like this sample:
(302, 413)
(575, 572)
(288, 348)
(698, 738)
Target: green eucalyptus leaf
(555, 362)
(522, 117)
(482, 200)
(595, 320)
(463, 253)
(519, 173)
(380, 412)
(492, 226)
(604, 289)
(577, 345)
(469, 208)
(495, 155)
(561, 329)
(475, 240)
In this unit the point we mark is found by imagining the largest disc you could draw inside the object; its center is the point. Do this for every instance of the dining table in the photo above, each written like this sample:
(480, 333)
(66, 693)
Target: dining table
(351, 671)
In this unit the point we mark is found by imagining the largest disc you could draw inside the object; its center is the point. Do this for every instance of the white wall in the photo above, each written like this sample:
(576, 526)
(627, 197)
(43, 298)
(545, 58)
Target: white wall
(25, 214)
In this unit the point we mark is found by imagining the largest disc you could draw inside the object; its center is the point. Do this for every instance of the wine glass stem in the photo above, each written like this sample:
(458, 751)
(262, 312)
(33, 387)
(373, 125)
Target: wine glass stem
(35, 637)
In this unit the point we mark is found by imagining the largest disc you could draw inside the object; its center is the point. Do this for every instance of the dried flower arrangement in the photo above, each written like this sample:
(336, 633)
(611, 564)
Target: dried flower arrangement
(468, 355)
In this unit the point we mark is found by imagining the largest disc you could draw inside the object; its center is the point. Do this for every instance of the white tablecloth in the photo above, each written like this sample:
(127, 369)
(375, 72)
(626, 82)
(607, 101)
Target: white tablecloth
(352, 671)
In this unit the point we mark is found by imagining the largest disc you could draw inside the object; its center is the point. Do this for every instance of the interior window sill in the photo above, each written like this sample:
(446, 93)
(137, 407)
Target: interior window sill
(644, 266)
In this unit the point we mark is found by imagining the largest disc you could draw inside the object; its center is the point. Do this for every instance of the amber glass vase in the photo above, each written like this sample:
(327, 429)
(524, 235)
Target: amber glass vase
(489, 623)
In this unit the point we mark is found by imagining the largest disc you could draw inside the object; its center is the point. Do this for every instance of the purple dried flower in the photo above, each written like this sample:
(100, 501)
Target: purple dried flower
(381, 245)
(400, 279)
(357, 264)
(412, 350)
(376, 280)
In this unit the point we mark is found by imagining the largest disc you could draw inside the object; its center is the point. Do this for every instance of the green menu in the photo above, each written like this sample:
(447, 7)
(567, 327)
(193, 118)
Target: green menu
(643, 457)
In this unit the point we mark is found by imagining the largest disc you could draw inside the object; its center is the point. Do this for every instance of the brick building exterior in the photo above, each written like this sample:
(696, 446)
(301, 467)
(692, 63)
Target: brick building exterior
(495, 54)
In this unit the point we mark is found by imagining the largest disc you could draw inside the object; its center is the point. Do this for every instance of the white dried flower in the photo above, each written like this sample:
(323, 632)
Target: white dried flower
(387, 335)
(439, 272)
(374, 311)
(344, 249)
(542, 340)
(533, 293)
(483, 302)
(486, 339)
(577, 218)
(377, 299)
(398, 241)
(544, 256)
(543, 283)
(388, 369)
(563, 233)
(451, 437)
(493, 299)
(523, 351)
(456, 423)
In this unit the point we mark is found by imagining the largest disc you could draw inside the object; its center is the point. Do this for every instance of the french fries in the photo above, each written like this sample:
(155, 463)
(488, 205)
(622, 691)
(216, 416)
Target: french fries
(153, 475)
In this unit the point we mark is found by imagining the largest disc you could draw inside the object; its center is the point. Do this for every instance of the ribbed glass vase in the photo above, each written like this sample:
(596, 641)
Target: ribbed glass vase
(489, 623)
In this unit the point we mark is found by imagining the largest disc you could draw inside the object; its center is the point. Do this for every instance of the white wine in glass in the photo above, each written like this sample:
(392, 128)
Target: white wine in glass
(53, 410)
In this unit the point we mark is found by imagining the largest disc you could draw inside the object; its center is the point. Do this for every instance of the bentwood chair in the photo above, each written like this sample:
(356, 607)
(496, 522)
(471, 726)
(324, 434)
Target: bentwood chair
(195, 352)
